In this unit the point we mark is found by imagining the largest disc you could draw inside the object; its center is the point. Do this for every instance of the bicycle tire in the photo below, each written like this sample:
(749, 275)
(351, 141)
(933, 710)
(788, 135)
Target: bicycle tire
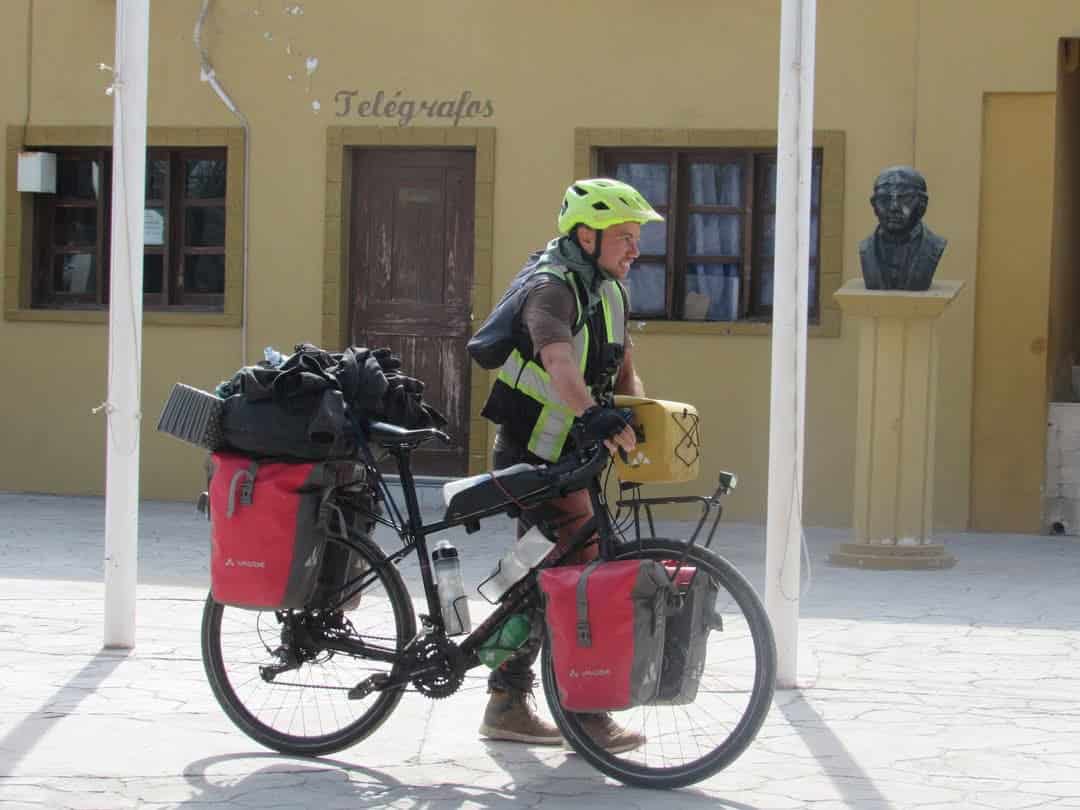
(746, 639)
(316, 689)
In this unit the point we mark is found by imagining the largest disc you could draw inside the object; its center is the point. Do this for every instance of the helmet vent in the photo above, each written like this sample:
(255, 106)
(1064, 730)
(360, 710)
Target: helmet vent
(601, 206)
(565, 205)
(580, 191)
(624, 202)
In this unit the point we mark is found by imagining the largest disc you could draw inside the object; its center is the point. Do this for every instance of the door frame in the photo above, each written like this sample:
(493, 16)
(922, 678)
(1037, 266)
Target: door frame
(335, 306)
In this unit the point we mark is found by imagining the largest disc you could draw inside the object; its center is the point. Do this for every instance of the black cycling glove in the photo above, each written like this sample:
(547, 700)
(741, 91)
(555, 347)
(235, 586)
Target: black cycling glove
(599, 423)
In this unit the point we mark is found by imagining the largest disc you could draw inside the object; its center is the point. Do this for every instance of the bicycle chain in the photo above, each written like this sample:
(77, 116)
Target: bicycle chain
(447, 668)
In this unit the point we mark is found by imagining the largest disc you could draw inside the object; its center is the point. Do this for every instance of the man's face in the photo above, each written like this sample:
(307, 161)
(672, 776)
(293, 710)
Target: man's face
(898, 206)
(618, 248)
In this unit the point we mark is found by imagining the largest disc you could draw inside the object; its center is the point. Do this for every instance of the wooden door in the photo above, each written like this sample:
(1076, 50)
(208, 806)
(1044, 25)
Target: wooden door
(1012, 302)
(410, 275)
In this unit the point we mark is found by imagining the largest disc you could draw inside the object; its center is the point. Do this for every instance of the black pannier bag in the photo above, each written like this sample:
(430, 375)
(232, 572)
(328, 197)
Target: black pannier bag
(342, 568)
(686, 635)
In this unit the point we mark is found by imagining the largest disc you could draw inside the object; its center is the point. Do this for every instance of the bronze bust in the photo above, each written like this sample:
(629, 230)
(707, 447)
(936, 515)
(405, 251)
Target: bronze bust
(902, 253)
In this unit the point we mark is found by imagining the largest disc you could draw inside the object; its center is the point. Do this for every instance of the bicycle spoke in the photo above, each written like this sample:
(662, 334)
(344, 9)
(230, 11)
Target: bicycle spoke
(688, 740)
(304, 707)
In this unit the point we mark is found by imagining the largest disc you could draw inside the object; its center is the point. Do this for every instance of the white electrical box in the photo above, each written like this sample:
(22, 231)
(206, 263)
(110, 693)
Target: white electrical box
(37, 172)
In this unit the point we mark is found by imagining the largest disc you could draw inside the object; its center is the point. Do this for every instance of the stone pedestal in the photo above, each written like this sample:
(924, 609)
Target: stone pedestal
(895, 425)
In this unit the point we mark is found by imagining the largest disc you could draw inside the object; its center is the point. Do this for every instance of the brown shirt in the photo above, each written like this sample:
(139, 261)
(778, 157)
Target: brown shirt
(549, 314)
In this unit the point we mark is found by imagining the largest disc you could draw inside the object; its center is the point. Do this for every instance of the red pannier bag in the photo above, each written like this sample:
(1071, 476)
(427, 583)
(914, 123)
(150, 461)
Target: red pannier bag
(605, 623)
(266, 536)
(686, 633)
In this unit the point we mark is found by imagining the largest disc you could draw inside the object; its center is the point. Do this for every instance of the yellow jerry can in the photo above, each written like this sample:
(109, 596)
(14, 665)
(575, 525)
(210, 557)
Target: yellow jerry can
(668, 442)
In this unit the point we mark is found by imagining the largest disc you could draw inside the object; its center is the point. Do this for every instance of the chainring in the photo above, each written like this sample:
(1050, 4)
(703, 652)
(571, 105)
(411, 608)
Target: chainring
(441, 665)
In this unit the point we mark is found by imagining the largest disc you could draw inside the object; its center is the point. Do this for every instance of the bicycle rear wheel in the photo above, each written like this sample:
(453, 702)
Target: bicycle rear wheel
(688, 742)
(305, 710)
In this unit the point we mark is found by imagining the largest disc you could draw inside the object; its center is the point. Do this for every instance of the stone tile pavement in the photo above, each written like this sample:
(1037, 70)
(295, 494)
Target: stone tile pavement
(927, 690)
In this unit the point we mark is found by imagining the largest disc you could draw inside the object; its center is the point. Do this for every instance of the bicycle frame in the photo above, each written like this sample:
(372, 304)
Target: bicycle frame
(413, 533)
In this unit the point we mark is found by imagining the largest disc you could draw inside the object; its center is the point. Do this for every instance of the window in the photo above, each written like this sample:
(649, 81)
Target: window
(183, 231)
(712, 260)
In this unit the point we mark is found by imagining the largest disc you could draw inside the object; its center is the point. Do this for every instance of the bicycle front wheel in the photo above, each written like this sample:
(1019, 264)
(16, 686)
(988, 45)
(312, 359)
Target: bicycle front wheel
(304, 707)
(690, 738)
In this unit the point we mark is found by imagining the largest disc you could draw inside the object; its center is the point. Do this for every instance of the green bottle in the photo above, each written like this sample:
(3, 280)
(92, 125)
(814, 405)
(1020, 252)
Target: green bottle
(511, 634)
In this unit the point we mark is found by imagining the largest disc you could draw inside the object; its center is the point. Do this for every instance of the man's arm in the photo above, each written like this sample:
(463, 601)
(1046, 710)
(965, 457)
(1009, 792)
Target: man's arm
(628, 381)
(569, 384)
(547, 316)
(566, 378)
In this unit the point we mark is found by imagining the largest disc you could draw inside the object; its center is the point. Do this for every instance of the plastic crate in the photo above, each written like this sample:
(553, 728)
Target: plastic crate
(193, 416)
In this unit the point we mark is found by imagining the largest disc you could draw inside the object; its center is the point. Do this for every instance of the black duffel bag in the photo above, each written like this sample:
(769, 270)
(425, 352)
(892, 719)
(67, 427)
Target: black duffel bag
(310, 428)
(296, 410)
(304, 408)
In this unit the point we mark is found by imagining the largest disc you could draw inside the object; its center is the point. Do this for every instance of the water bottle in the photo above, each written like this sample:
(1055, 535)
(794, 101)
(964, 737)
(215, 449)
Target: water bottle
(511, 634)
(455, 607)
(274, 358)
(531, 549)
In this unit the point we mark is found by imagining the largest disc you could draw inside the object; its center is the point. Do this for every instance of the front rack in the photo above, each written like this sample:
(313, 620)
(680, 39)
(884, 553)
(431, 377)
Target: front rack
(636, 503)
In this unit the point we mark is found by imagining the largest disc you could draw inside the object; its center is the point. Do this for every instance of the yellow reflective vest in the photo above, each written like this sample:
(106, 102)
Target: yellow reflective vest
(524, 401)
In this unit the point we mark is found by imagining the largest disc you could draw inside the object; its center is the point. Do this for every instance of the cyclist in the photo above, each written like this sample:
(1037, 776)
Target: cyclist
(569, 355)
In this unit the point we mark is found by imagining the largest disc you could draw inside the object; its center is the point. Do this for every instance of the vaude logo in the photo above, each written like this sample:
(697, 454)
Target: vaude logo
(590, 673)
(230, 563)
(313, 560)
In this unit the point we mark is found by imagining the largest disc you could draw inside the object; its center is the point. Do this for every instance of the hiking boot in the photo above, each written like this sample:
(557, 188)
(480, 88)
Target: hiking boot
(510, 717)
(612, 738)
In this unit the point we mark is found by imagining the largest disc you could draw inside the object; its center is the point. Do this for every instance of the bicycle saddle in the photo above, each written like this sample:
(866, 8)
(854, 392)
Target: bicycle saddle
(387, 434)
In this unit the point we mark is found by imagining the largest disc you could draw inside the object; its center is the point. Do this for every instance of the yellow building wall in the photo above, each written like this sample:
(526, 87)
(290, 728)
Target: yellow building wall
(903, 81)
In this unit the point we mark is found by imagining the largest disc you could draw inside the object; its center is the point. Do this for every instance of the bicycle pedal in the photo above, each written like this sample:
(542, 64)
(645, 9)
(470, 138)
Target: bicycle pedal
(271, 671)
(370, 684)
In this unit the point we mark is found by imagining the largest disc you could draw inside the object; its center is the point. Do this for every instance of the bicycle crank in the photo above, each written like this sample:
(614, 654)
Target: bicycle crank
(372, 683)
(433, 664)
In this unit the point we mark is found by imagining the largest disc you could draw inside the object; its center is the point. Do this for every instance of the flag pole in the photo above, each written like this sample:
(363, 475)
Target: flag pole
(122, 405)
(787, 412)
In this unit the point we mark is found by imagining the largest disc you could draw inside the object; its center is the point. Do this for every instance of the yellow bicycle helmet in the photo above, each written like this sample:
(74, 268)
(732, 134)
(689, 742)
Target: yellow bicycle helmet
(600, 203)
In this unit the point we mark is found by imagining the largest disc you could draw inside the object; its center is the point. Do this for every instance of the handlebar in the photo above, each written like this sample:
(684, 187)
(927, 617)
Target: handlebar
(581, 465)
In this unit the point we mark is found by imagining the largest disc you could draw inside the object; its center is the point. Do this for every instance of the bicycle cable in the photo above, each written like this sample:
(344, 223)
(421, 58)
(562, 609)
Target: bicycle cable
(621, 524)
